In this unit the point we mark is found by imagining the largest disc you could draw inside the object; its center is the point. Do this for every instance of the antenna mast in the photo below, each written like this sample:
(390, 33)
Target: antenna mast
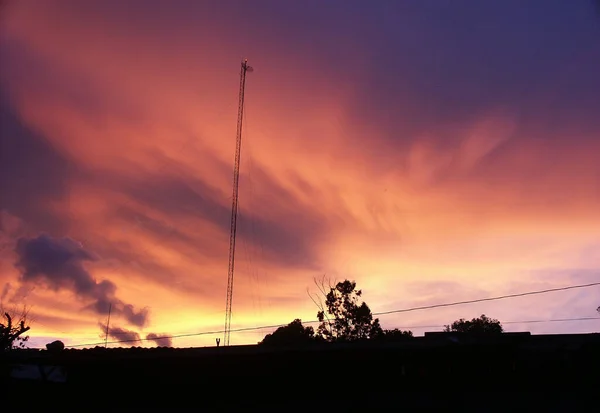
(107, 325)
(234, 203)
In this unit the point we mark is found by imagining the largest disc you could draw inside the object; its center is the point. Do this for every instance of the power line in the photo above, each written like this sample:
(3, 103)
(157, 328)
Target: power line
(427, 307)
(202, 333)
(312, 322)
(556, 320)
(414, 327)
(479, 300)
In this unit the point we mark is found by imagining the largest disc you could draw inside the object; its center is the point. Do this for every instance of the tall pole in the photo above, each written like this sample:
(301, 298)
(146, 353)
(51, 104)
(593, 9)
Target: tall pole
(107, 326)
(234, 203)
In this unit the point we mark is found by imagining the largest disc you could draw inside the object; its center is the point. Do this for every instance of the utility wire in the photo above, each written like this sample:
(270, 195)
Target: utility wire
(413, 327)
(480, 300)
(556, 320)
(405, 310)
(312, 322)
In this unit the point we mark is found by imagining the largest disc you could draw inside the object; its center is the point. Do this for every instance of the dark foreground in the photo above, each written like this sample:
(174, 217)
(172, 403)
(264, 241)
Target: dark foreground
(540, 373)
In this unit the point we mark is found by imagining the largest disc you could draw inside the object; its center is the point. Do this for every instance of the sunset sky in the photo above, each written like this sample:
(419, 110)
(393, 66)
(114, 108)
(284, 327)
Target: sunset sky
(431, 150)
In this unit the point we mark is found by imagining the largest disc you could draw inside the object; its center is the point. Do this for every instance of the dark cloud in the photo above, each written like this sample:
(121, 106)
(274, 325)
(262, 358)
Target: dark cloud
(33, 72)
(121, 334)
(290, 232)
(288, 237)
(181, 197)
(161, 340)
(463, 60)
(32, 172)
(414, 64)
(59, 264)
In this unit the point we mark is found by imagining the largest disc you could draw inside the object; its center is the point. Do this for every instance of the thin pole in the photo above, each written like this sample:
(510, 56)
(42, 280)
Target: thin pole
(107, 326)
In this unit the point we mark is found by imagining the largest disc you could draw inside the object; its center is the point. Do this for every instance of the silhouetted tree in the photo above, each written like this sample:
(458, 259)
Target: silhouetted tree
(479, 325)
(394, 335)
(342, 316)
(55, 347)
(13, 326)
(292, 334)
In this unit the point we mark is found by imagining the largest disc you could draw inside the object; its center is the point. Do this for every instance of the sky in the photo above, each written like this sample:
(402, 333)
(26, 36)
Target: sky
(431, 150)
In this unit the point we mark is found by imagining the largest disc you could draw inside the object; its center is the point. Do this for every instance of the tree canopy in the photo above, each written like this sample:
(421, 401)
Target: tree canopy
(344, 317)
(480, 325)
(395, 335)
(13, 326)
(292, 334)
